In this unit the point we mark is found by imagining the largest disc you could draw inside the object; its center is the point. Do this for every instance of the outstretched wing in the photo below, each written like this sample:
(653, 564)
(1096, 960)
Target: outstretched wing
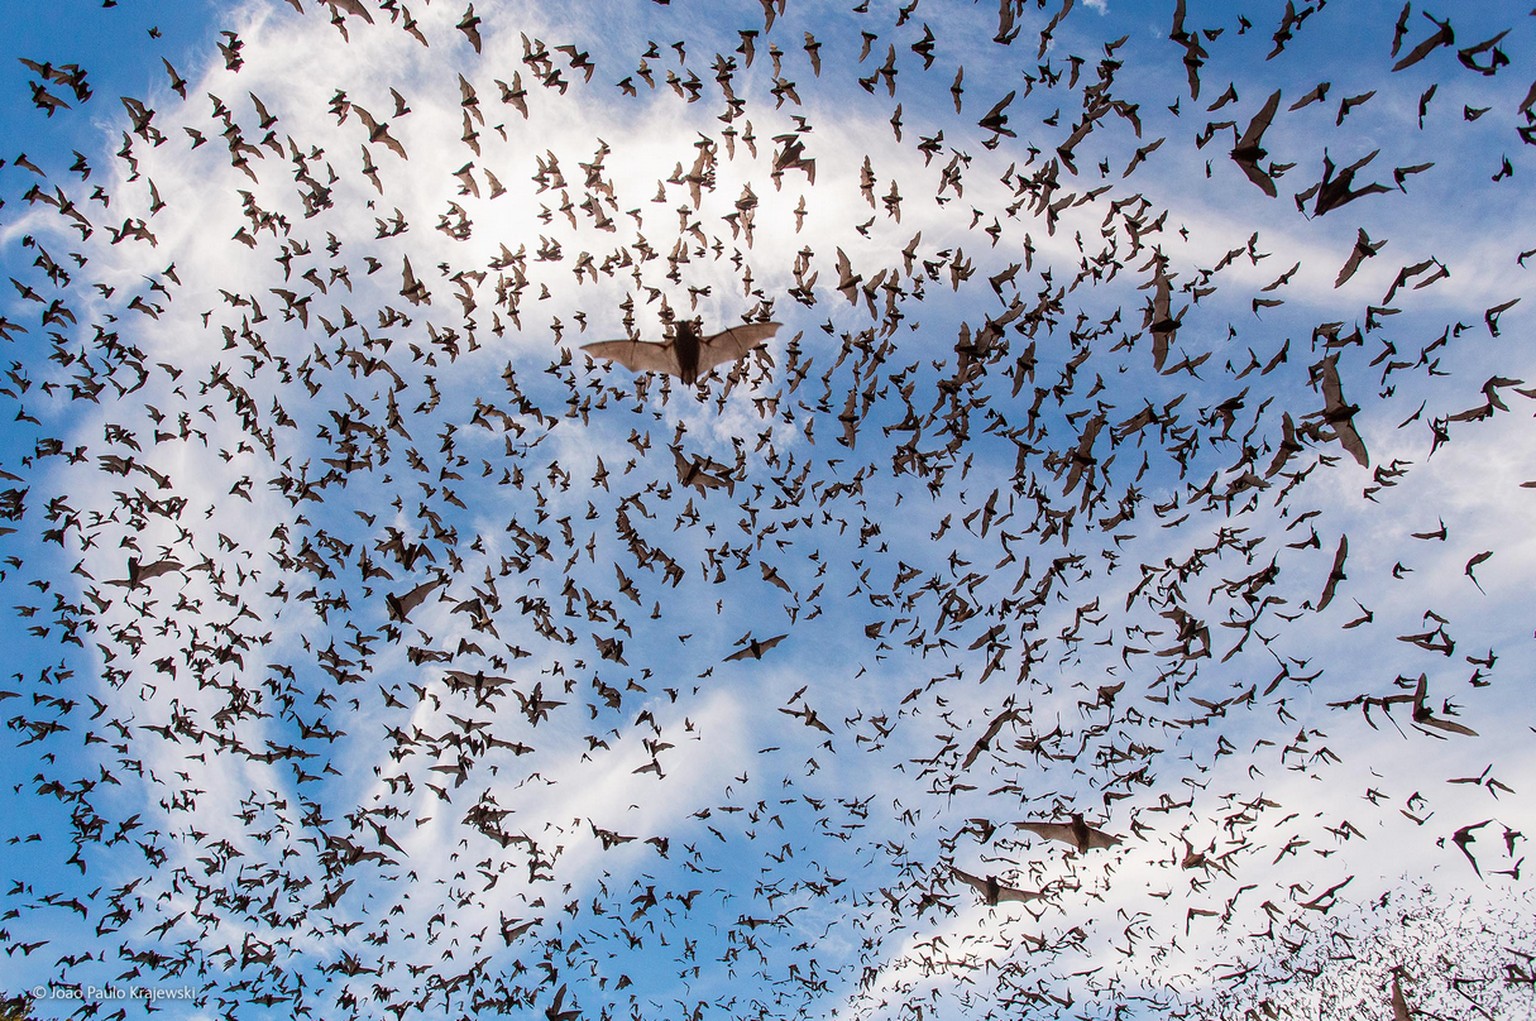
(974, 882)
(729, 345)
(1049, 830)
(1098, 838)
(1007, 893)
(1256, 174)
(636, 356)
(1260, 123)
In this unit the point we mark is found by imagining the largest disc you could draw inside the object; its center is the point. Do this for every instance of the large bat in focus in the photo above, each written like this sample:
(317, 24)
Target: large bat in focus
(687, 355)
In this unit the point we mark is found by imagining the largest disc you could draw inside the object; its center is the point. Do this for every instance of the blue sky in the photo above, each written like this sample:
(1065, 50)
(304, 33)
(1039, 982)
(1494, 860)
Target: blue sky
(992, 487)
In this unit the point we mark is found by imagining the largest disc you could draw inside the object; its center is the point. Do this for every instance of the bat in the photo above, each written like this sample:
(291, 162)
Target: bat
(1425, 716)
(1002, 719)
(1364, 249)
(1077, 833)
(1400, 1011)
(1334, 191)
(1335, 575)
(378, 132)
(687, 355)
(401, 605)
(1341, 414)
(1464, 836)
(992, 892)
(1160, 318)
(1249, 150)
(703, 473)
(755, 648)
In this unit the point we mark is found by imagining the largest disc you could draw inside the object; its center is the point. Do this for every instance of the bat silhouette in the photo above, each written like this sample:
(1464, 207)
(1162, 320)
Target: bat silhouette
(1336, 574)
(1077, 833)
(754, 648)
(1364, 249)
(378, 132)
(1425, 716)
(993, 892)
(1339, 413)
(1250, 150)
(139, 573)
(687, 355)
(985, 741)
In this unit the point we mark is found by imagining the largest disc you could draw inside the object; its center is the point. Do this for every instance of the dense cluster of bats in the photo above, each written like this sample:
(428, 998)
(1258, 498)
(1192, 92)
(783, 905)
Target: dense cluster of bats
(969, 587)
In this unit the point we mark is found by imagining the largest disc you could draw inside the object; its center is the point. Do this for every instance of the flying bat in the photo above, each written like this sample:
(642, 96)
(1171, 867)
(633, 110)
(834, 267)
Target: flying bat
(1001, 720)
(1425, 716)
(1339, 413)
(992, 892)
(1077, 833)
(378, 132)
(755, 648)
(1337, 186)
(1336, 574)
(1364, 249)
(687, 355)
(1250, 150)
(401, 605)
(139, 573)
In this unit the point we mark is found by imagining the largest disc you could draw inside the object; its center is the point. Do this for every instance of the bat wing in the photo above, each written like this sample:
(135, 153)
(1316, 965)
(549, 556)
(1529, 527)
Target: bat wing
(968, 879)
(367, 119)
(1049, 830)
(1333, 390)
(1260, 122)
(1098, 838)
(1012, 893)
(158, 568)
(394, 144)
(1449, 726)
(1400, 1011)
(729, 345)
(637, 356)
(351, 7)
(1350, 439)
(1257, 175)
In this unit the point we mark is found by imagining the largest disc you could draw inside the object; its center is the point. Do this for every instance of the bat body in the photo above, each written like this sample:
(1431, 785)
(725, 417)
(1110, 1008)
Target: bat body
(687, 355)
